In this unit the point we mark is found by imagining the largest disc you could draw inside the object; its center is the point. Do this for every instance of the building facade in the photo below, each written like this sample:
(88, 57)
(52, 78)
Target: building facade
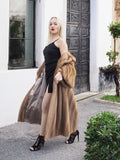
(24, 33)
(116, 18)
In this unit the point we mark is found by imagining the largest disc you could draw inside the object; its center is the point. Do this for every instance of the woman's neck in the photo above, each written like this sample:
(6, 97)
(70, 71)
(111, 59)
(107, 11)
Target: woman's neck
(54, 37)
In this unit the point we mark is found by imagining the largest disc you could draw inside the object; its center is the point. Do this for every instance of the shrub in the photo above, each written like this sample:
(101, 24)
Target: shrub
(102, 137)
(114, 28)
(112, 56)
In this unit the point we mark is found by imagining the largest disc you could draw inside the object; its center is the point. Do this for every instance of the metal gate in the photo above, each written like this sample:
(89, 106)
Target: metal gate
(78, 37)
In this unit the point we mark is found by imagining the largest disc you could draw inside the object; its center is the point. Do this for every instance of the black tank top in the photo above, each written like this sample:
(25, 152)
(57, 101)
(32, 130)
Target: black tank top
(51, 55)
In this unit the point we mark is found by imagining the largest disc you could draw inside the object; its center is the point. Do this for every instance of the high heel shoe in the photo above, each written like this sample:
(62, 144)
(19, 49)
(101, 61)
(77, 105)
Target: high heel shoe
(72, 137)
(38, 144)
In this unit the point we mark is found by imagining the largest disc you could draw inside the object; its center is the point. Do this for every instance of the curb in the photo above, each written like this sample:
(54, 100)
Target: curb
(105, 101)
(80, 99)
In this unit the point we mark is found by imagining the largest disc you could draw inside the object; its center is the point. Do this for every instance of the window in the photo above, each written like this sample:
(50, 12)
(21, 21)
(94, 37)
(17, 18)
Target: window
(21, 34)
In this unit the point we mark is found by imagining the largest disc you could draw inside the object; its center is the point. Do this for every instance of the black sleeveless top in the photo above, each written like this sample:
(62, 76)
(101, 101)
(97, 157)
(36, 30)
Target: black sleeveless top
(51, 55)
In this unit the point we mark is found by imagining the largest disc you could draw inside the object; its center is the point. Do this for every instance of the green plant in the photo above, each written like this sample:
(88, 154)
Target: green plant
(112, 98)
(112, 56)
(102, 137)
(114, 28)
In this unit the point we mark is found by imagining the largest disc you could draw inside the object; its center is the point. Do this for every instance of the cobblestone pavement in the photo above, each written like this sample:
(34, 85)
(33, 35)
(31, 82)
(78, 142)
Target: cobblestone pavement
(16, 139)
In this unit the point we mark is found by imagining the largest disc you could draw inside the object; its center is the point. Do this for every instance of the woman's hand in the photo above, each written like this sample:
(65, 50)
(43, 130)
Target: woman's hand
(58, 77)
(36, 79)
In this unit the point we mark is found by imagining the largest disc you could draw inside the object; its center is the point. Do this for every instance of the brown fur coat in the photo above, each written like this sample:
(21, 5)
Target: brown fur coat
(63, 111)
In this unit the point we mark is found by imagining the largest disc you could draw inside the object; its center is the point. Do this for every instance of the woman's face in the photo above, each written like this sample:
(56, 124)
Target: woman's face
(54, 26)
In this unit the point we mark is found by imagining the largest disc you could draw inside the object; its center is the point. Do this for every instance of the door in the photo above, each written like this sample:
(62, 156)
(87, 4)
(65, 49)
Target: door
(78, 37)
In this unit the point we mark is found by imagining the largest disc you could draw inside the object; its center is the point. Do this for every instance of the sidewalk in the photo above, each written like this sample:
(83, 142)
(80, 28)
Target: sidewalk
(16, 139)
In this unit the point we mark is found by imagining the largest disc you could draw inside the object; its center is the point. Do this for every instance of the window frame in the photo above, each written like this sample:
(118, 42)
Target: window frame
(34, 37)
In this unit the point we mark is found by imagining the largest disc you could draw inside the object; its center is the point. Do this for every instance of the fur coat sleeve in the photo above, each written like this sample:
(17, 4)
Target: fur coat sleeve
(66, 67)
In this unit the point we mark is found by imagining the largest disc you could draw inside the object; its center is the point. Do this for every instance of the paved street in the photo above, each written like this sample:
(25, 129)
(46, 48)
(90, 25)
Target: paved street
(16, 139)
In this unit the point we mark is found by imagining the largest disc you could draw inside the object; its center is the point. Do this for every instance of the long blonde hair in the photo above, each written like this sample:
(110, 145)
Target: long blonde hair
(60, 29)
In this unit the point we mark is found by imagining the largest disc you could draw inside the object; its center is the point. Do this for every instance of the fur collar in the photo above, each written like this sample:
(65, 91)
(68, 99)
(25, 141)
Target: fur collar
(65, 58)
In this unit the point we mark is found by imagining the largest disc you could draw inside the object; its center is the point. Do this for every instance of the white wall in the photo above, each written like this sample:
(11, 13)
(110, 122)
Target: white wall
(4, 32)
(14, 84)
(38, 31)
(100, 38)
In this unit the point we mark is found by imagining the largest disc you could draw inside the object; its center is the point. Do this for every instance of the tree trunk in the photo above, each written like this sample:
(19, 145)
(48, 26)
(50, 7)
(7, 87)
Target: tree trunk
(116, 79)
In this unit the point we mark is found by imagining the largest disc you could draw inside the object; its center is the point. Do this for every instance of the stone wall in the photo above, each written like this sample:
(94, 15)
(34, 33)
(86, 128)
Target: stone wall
(116, 18)
(106, 82)
(116, 10)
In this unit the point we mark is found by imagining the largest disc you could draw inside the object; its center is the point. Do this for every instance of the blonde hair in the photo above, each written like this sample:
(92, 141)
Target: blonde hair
(60, 29)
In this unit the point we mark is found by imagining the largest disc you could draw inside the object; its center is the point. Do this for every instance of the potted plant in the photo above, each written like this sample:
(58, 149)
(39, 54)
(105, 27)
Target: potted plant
(114, 28)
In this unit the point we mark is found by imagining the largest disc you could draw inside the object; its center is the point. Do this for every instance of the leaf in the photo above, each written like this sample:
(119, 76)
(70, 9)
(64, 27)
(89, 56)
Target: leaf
(102, 137)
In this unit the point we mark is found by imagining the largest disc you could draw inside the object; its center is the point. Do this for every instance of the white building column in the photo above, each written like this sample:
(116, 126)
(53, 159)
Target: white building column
(4, 34)
(100, 38)
(45, 9)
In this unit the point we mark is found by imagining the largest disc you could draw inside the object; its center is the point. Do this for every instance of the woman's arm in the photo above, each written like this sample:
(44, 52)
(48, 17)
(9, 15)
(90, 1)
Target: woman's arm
(62, 45)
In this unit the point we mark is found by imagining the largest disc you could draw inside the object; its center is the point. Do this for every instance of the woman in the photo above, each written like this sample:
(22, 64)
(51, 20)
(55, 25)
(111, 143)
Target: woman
(59, 108)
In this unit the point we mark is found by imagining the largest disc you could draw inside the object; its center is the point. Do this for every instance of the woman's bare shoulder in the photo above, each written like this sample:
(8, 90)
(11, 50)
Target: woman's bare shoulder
(62, 45)
(62, 41)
